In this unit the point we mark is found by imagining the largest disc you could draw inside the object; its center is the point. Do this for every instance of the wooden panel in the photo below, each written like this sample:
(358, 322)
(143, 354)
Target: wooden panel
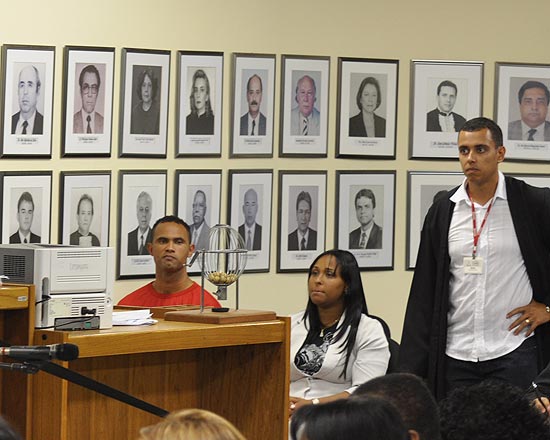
(244, 378)
(13, 297)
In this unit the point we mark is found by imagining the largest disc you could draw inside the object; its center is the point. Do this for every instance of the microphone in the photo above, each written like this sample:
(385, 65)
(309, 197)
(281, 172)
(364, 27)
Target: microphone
(62, 352)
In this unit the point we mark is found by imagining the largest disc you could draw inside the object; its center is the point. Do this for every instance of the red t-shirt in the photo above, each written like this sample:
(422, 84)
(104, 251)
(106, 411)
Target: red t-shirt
(147, 296)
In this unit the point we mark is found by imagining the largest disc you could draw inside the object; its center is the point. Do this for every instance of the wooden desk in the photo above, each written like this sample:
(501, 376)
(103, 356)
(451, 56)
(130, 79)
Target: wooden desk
(16, 328)
(240, 371)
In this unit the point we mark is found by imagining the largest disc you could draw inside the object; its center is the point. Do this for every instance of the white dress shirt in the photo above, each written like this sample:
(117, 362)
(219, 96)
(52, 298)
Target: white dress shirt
(478, 304)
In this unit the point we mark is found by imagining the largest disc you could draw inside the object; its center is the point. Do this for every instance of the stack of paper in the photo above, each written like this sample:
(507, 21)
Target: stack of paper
(133, 317)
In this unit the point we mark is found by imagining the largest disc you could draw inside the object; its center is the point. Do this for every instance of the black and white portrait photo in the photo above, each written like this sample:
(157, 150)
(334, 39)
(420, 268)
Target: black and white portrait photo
(365, 206)
(250, 195)
(88, 97)
(521, 107)
(28, 100)
(445, 94)
(199, 106)
(142, 202)
(253, 105)
(302, 211)
(367, 110)
(26, 207)
(84, 208)
(144, 102)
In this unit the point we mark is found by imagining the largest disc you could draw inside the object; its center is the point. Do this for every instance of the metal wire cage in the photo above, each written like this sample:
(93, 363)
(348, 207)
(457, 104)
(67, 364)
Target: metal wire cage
(225, 259)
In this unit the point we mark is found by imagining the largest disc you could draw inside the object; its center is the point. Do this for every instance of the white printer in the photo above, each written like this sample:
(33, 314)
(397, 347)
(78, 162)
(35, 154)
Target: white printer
(74, 285)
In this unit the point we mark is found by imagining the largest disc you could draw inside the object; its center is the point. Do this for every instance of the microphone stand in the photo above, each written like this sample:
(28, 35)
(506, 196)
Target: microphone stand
(32, 367)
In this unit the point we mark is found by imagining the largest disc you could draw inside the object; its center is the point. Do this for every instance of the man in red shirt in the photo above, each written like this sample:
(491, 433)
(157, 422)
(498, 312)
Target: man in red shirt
(170, 248)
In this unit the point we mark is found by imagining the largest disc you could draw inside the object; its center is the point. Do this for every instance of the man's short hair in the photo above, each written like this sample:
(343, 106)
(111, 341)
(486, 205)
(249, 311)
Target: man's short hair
(200, 191)
(82, 198)
(447, 83)
(37, 74)
(365, 192)
(25, 197)
(373, 81)
(144, 195)
(90, 68)
(250, 79)
(412, 398)
(533, 85)
(480, 123)
(300, 81)
(304, 195)
(491, 410)
(171, 219)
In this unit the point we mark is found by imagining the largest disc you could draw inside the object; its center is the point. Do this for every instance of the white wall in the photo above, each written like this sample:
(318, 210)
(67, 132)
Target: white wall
(486, 31)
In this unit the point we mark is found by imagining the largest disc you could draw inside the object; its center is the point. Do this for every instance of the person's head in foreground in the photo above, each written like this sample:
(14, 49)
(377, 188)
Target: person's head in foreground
(349, 419)
(491, 410)
(191, 424)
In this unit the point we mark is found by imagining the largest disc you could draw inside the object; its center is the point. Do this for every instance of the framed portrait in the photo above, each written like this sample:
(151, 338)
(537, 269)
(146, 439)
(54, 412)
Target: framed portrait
(145, 81)
(302, 219)
(142, 201)
(26, 207)
(367, 108)
(304, 106)
(445, 94)
(198, 202)
(27, 106)
(88, 97)
(253, 105)
(85, 208)
(521, 109)
(423, 189)
(250, 200)
(365, 216)
(199, 108)
(540, 180)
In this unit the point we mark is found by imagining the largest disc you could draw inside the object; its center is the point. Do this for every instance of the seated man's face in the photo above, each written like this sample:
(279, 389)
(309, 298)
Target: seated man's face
(171, 246)
(85, 215)
(446, 99)
(305, 96)
(199, 209)
(25, 215)
(364, 211)
(89, 91)
(303, 215)
(533, 107)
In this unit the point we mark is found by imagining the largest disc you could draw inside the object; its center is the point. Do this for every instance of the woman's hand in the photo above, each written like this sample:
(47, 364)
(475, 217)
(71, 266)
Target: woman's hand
(295, 403)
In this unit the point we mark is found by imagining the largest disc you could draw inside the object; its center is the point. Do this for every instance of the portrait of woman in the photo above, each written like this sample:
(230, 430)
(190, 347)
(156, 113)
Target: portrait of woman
(334, 345)
(201, 118)
(146, 110)
(84, 214)
(366, 123)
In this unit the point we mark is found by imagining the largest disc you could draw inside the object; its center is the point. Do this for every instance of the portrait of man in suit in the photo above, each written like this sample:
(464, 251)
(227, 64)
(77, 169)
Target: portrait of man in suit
(84, 216)
(368, 235)
(28, 120)
(443, 118)
(253, 122)
(199, 229)
(139, 237)
(25, 215)
(250, 230)
(303, 237)
(87, 119)
(533, 97)
(305, 119)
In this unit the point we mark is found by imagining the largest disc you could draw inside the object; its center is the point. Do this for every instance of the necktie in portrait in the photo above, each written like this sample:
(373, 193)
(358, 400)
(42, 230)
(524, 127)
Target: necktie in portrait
(363, 241)
(304, 130)
(531, 134)
(249, 240)
(253, 127)
(89, 128)
(141, 244)
(303, 244)
(25, 125)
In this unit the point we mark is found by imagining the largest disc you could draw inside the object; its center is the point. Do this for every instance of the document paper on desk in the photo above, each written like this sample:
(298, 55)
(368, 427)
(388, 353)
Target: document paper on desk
(133, 317)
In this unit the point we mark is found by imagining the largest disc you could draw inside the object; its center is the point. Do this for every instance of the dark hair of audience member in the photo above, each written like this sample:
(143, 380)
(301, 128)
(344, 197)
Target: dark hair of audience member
(366, 418)
(491, 410)
(412, 398)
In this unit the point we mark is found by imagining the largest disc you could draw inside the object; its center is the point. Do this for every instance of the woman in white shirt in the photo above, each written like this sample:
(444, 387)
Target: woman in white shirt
(335, 346)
